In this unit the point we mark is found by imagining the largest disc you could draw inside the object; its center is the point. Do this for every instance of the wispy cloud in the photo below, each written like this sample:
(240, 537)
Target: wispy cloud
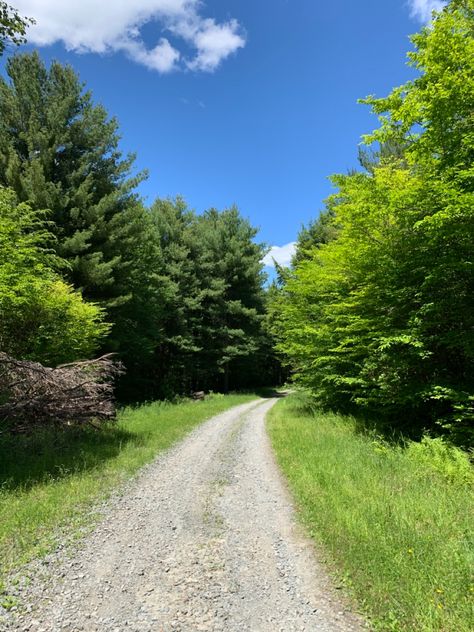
(281, 254)
(422, 9)
(200, 104)
(115, 26)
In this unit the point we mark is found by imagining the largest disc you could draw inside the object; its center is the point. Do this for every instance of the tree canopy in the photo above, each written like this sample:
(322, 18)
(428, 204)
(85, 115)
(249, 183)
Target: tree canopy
(381, 317)
(13, 26)
(376, 313)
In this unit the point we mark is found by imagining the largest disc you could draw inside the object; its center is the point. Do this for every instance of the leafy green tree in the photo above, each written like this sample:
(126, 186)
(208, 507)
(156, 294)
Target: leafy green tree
(41, 317)
(13, 26)
(382, 317)
(431, 116)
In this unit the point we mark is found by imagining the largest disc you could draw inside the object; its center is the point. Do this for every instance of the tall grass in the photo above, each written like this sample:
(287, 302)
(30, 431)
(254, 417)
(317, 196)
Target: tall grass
(397, 520)
(51, 480)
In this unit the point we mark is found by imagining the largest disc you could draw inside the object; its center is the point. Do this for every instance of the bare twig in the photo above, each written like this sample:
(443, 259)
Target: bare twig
(74, 393)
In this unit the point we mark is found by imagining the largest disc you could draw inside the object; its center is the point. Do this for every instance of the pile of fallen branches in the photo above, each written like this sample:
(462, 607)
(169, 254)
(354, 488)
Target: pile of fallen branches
(71, 394)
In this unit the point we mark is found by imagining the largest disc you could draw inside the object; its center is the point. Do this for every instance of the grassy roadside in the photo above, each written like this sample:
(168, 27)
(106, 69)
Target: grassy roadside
(397, 522)
(52, 480)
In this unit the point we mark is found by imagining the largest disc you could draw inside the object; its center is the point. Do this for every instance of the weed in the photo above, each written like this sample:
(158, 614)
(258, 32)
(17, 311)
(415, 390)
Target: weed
(7, 602)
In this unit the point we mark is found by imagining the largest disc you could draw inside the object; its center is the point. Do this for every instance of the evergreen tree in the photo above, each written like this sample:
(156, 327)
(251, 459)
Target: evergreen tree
(169, 369)
(212, 324)
(59, 151)
(319, 231)
(231, 296)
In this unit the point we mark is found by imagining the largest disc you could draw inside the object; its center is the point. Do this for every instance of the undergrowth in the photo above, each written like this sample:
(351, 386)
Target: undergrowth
(396, 520)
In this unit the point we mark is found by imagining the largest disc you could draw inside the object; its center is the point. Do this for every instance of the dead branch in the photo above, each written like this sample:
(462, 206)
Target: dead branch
(71, 394)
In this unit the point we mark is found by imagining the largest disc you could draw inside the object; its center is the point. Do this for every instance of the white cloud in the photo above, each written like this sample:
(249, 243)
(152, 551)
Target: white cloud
(215, 42)
(422, 9)
(281, 254)
(162, 58)
(111, 26)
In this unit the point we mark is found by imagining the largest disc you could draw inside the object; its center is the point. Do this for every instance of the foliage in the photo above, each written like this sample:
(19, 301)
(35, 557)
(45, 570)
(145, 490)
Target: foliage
(184, 293)
(12, 26)
(319, 232)
(211, 316)
(232, 301)
(59, 151)
(41, 317)
(447, 460)
(432, 115)
(382, 317)
(395, 522)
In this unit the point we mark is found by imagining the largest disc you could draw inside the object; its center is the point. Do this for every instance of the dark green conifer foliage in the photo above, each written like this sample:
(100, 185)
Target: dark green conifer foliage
(320, 231)
(169, 370)
(59, 151)
(214, 310)
(231, 296)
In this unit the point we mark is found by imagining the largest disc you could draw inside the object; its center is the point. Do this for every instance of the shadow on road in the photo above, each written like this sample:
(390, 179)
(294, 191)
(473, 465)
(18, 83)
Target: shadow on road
(270, 393)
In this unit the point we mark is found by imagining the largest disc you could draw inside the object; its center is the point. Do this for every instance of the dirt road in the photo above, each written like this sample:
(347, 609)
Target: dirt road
(203, 539)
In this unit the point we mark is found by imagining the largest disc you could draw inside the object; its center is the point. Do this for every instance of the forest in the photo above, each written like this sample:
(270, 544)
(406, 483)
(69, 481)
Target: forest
(374, 316)
(86, 268)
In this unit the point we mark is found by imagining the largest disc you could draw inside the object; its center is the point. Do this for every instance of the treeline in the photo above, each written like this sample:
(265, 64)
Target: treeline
(377, 314)
(86, 268)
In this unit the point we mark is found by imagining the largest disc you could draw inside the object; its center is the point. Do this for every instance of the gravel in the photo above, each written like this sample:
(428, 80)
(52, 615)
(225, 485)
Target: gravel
(205, 538)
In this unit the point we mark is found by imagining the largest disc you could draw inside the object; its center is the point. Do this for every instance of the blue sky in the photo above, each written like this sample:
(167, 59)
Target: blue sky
(247, 102)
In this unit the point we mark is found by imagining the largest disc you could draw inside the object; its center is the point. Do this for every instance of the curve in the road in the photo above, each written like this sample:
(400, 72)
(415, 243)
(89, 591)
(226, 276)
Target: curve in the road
(204, 539)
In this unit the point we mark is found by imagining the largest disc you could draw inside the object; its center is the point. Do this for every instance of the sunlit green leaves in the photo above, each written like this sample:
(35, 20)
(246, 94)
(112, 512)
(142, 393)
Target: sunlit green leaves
(382, 316)
(41, 317)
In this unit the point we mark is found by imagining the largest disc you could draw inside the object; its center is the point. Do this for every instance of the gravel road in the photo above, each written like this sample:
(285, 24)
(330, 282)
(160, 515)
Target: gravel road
(203, 539)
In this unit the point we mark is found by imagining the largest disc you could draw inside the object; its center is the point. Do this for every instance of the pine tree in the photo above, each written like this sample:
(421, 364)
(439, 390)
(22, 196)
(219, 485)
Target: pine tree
(59, 151)
(232, 297)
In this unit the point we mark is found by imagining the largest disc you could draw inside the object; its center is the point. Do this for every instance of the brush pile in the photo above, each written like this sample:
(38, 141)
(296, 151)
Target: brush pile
(78, 393)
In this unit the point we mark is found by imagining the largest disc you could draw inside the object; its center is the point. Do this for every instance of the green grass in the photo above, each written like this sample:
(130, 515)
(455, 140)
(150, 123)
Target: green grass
(50, 481)
(397, 522)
